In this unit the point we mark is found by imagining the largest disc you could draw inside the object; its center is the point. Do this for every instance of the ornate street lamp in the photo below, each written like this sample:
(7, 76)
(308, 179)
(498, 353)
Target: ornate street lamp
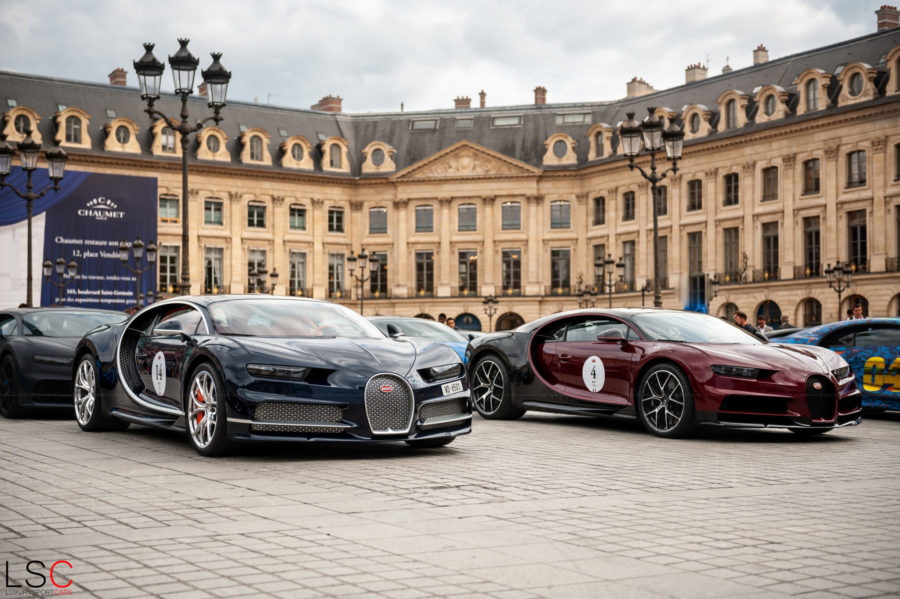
(184, 66)
(137, 248)
(29, 151)
(274, 276)
(651, 133)
(839, 278)
(604, 267)
(64, 274)
(490, 308)
(368, 265)
(712, 289)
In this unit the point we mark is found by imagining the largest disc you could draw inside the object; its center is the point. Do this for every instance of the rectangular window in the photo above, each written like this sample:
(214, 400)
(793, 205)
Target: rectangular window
(573, 119)
(297, 282)
(212, 212)
(599, 211)
(897, 162)
(511, 216)
(424, 125)
(812, 249)
(663, 261)
(770, 184)
(256, 271)
(628, 206)
(336, 220)
(335, 275)
(512, 272)
(468, 272)
(213, 260)
(424, 219)
(168, 209)
(858, 253)
(732, 190)
(696, 277)
(856, 168)
(468, 217)
(811, 183)
(378, 278)
(168, 268)
(506, 121)
(599, 252)
(465, 123)
(167, 140)
(560, 215)
(770, 251)
(559, 271)
(661, 201)
(695, 195)
(298, 218)
(628, 257)
(73, 130)
(425, 273)
(378, 221)
(256, 216)
(731, 240)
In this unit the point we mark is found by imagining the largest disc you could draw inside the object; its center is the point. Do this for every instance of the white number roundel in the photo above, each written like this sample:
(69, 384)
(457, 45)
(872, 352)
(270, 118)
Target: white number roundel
(158, 373)
(593, 373)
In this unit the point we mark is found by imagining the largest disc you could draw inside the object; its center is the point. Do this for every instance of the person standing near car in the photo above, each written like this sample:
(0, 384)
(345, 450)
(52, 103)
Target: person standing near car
(785, 322)
(857, 313)
(761, 325)
(740, 319)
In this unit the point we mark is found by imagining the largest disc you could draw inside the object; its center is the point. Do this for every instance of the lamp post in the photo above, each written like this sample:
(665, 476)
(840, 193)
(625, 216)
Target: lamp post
(654, 138)
(64, 274)
(365, 266)
(712, 289)
(137, 250)
(258, 276)
(839, 278)
(604, 268)
(274, 277)
(184, 66)
(646, 288)
(490, 308)
(29, 152)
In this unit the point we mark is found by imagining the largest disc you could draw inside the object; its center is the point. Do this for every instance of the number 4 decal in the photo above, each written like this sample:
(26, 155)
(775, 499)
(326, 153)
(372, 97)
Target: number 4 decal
(593, 373)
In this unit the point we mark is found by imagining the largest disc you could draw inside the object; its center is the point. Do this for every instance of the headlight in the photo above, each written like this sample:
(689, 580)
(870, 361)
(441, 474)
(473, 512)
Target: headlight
(842, 372)
(736, 371)
(447, 371)
(272, 371)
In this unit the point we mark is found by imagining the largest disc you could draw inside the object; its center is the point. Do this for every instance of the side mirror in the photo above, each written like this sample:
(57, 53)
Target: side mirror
(394, 331)
(471, 336)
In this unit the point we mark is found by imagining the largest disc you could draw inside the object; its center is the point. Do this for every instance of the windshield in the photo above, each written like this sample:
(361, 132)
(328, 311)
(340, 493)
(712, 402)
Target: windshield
(419, 327)
(288, 318)
(691, 327)
(59, 323)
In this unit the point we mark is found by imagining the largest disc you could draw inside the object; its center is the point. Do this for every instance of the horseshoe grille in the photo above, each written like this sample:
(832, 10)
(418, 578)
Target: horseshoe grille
(389, 412)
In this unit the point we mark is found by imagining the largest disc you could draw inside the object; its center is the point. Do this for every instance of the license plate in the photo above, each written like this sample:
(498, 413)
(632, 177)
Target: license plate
(454, 387)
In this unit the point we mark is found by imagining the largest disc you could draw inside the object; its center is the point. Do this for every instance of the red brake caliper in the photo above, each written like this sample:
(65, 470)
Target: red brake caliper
(201, 401)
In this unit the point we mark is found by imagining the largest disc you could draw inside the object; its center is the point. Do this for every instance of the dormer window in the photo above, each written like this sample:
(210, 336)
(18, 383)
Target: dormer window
(560, 148)
(297, 152)
(167, 140)
(213, 144)
(731, 114)
(73, 130)
(856, 84)
(334, 156)
(695, 122)
(256, 148)
(123, 134)
(769, 106)
(812, 95)
(22, 123)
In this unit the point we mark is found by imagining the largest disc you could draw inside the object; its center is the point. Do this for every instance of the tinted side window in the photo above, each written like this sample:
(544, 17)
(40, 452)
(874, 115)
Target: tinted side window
(180, 319)
(878, 336)
(7, 325)
(589, 330)
(842, 338)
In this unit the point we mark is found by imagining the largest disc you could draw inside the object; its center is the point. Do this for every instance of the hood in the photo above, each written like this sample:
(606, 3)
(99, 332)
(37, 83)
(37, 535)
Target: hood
(773, 356)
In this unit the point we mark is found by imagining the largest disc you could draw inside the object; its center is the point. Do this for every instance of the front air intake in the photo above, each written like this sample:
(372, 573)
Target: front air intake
(389, 405)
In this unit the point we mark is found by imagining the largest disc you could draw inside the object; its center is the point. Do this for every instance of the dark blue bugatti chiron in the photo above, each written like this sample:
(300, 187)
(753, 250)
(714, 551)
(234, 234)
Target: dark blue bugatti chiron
(227, 368)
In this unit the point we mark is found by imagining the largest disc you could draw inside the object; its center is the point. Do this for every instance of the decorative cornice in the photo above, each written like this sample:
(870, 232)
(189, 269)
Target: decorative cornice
(643, 186)
(401, 204)
(711, 173)
(534, 199)
(749, 167)
(445, 202)
(831, 152)
(879, 144)
(789, 160)
(318, 202)
(356, 205)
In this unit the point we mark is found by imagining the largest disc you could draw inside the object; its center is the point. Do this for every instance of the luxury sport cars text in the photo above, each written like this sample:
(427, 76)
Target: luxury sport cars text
(228, 368)
(672, 370)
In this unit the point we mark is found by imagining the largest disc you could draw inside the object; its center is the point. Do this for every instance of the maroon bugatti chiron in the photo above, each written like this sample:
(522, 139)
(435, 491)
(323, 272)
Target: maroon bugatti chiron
(672, 370)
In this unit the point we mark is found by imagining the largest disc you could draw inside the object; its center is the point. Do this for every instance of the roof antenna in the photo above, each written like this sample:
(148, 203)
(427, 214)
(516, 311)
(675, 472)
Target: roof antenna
(401, 106)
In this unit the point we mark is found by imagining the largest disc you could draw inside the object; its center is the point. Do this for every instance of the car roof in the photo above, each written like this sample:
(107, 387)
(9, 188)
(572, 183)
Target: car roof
(623, 313)
(34, 309)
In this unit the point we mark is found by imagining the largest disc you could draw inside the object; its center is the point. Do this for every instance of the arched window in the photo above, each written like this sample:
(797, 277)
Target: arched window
(256, 148)
(727, 311)
(897, 74)
(856, 84)
(21, 123)
(334, 156)
(812, 95)
(297, 152)
(508, 321)
(598, 143)
(73, 130)
(770, 105)
(770, 311)
(731, 114)
(812, 312)
(167, 140)
(212, 143)
(560, 148)
(695, 122)
(123, 134)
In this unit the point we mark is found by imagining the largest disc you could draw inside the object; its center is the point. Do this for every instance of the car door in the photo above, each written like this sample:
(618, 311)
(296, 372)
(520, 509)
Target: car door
(597, 361)
(162, 352)
(873, 353)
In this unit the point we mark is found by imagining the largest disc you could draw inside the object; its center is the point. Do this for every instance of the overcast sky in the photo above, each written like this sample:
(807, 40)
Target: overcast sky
(377, 54)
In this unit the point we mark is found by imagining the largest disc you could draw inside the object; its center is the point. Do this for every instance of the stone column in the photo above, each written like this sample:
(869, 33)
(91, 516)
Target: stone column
(831, 252)
(277, 261)
(643, 259)
(237, 221)
(751, 235)
(488, 260)
(534, 254)
(581, 254)
(398, 271)
(878, 173)
(789, 228)
(318, 262)
(444, 258)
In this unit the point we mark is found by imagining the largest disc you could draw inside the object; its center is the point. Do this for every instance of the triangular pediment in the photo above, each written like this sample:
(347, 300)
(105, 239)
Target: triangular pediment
(466, 160)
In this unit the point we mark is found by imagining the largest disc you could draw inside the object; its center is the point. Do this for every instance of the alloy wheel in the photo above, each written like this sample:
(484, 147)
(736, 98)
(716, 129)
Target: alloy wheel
(202, 414)
(487, 390)
(85, 392)
(662, 401)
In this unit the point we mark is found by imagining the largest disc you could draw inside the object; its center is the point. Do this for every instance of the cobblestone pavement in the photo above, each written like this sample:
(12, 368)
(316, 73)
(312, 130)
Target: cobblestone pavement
(545, 506)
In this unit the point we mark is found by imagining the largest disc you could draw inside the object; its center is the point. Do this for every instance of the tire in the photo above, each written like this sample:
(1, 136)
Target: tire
(665, 402)
(491, 392)
(204, 411)
(10, 393)
(87, 402)
(810, 432)
(430, 443)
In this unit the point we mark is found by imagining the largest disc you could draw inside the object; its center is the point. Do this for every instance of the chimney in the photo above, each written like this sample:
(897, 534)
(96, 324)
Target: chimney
(760, 55)
(462, 102)
(328, 103)
(540, 95)
(888, 17)
(638, 87)
(118, 77)
(201, 89)
(482, 96)
(694, 72)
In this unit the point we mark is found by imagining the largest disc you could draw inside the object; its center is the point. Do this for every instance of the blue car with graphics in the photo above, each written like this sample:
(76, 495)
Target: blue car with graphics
(871, 346)
(426, 329)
